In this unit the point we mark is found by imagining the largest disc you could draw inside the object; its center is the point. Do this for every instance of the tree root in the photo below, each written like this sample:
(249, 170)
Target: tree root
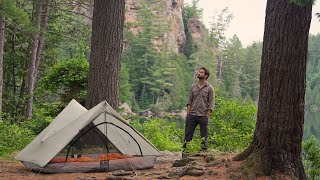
(245, 154)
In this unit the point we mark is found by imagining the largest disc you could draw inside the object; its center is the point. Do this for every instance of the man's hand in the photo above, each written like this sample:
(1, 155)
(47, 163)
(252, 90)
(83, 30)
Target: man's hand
(209, 114)
(188, 109)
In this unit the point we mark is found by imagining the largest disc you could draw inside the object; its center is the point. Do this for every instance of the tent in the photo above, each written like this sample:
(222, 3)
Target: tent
(81, 140)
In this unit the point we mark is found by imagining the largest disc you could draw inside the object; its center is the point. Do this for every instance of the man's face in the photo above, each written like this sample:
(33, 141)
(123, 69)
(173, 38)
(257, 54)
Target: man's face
(201, 74)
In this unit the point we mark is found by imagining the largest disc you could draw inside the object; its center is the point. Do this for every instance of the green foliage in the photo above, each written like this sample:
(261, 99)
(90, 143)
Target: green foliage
(67, 37)
(218, 28)
(36, 125)
(161, 134)
(232, 125)
(10, 10)
(250, 71)
(311, 126)
(311, 158)
(230, 129)
(151, 76)
(125, 87)
(69, 75)
(156, 73)
(194, 145)
(191, 12)
(312, 96)
(13, 138)
(232, 72)
(189, 49)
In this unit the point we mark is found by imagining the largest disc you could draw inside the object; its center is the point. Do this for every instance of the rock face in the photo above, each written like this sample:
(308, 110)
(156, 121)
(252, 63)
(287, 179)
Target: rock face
(176, 37)
(132, 7)
(195, 27)
(171, 12)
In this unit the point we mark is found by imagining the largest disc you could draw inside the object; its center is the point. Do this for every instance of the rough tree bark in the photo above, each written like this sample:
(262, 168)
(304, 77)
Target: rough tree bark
(2, 27)
(106, 48)
(32, 63)
(33, 73)
(276, 145)
(42, 34)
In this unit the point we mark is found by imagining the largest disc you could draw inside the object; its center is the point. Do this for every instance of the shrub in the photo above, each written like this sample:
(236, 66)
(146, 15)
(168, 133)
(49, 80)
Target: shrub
(230, 129)
(311, 158)
(232, 125)
(165, 136)
(13, 138)
(69, 78)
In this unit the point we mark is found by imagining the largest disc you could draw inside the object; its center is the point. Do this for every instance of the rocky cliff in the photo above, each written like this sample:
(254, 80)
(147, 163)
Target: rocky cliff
(171, 13)
(195, 27)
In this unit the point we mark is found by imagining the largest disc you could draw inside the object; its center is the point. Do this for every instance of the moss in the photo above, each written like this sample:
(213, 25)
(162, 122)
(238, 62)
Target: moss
(257, 164)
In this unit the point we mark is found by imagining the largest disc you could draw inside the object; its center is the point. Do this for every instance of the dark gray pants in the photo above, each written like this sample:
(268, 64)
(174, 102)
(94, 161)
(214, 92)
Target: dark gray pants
(191, 124)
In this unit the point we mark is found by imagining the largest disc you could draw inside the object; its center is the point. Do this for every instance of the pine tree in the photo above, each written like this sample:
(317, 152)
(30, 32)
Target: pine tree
(276, 146)
(106, 49)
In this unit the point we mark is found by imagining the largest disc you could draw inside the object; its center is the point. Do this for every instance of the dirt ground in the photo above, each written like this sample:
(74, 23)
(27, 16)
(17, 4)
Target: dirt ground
(224, 168)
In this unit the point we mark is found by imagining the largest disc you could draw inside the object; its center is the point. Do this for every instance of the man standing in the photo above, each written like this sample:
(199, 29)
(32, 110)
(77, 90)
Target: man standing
(199, 108)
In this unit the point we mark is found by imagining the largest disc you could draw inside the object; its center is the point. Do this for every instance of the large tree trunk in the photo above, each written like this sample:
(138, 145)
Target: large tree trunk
(42, 34)
(13, 83)
(106, 48)
(13, 64)
(32, 64)
(276, 146)
(2, 26)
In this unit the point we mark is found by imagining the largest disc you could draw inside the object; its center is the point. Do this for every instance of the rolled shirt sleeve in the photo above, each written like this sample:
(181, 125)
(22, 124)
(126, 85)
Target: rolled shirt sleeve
(190, 97)
(211, 99)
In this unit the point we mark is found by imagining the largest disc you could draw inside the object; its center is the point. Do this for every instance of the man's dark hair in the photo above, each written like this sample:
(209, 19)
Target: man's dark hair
(206, 72)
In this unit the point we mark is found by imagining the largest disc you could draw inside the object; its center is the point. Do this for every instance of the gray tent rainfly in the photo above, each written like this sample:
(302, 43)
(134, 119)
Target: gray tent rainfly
(81, 140)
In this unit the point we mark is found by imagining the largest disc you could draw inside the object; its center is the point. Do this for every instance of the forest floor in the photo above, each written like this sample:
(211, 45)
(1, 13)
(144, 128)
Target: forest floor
(208, 165)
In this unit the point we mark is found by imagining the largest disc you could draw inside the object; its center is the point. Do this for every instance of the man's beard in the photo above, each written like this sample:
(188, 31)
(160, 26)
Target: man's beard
(199, 77)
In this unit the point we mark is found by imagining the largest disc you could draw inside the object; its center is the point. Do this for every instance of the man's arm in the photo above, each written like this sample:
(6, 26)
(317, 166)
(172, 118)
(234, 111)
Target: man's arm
(211, 99)
(189, 101)
(188, 108)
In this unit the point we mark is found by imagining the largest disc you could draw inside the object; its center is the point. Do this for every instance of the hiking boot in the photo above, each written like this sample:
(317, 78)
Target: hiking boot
(184, 145)
(185, 155)
(204, 146)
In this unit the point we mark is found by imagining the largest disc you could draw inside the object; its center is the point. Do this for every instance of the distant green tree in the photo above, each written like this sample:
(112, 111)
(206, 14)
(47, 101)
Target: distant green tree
(233, 56)
(250, 71)
(154, 69)
(9, 11)
(218, 27)
(313, 75)
(68, 36)
(190, 12)
(218, 40)
(125, 87)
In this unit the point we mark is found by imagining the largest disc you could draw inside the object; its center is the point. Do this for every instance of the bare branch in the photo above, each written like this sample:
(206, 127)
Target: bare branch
(73, 12)
(80, 5)
(53, 32)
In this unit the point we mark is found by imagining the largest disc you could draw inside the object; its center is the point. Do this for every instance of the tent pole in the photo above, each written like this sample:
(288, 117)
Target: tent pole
(105, 119)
